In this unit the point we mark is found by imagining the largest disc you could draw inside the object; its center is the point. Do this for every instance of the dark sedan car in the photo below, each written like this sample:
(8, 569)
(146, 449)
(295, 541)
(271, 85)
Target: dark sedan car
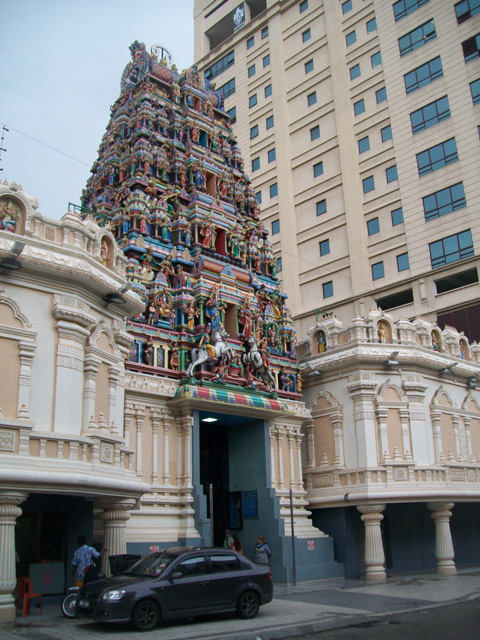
(177, 582)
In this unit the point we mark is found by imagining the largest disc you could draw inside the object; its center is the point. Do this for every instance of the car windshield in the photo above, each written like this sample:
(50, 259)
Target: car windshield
(153, 565)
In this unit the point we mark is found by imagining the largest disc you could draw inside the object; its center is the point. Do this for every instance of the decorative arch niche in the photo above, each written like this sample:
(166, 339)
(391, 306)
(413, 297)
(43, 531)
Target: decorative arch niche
(13, 214)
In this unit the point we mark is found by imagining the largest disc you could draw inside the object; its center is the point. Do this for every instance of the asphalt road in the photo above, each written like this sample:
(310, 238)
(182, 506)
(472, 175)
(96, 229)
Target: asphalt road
(459, 621)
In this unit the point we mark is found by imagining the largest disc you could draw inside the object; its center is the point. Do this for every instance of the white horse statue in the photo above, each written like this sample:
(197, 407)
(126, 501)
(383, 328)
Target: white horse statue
(254, 358)
(213, 351)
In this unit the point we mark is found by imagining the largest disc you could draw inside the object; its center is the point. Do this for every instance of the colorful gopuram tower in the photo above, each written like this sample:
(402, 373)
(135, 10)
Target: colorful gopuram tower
(170, 184)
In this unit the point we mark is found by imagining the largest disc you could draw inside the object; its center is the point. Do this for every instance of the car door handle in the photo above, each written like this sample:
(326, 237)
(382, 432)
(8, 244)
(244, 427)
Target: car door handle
(205, 582)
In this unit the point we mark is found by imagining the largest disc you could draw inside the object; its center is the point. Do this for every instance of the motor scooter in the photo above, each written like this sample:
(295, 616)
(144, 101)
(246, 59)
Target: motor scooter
(69, 603)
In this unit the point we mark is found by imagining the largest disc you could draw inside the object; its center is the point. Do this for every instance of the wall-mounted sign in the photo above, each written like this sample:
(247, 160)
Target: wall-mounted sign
(250, 504)
(239, 17)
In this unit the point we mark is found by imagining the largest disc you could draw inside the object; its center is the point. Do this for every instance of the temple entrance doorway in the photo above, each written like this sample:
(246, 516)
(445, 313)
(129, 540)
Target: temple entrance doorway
(214, 470)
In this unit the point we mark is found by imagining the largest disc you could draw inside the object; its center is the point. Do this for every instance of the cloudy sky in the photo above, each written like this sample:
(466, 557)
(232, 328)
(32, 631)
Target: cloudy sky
(60, 67)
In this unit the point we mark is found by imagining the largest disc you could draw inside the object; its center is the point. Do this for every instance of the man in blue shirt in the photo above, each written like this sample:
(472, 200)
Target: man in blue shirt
(82, 559)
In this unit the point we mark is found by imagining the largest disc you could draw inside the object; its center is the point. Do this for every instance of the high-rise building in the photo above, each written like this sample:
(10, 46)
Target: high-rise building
(359, 125)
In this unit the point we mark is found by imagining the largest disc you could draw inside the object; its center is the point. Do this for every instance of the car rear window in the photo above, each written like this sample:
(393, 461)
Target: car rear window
(224, 562)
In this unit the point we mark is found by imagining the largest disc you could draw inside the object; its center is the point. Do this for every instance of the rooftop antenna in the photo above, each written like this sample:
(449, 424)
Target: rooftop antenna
(1, 144)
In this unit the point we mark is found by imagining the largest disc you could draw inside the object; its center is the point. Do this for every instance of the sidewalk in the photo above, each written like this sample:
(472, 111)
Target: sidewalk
(308, 607)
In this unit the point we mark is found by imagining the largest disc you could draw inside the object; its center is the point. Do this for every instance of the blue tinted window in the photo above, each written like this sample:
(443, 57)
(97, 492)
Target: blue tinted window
(391, 173)
(378, 271)
(423, 75)
(346, 6)
(475, 90)
(266, 61)
(451, 249)
(264, 32)
(437, 157)
(272, 155)
(466, 9)
(403, 262)
(275, 227)
(359, 107)
(317, 169)
(373, 226)
(306, 35)
(303, 6)
(430, 115)
(354, 72)
(471, 48)
(250, 42)
(417, 38)
(403, 7)
(268, 90)
(381, 95)
(232, 113)
(309, 66)
(315, 133)
(376, 59)
(386, 133)
(251, 71)
(258, 197)
(252, 101)
(363, 145)
(327, 288)
(254, 132)
(255, 164)
(351, 38)
(444, 201)
(321, 207)
(219, 66)
(274, 190)
(269, 122)
(228, 88)
(324, 247)
(312, 98)
(397, 216)
(368, 184)
(371, 25)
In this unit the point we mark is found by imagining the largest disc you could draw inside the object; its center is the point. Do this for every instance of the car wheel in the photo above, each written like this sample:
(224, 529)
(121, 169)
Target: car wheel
(248, 604)
(69, 605)
(146, 615)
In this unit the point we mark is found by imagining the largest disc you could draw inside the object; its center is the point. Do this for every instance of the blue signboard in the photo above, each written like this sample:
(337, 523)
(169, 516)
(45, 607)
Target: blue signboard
(250, 504)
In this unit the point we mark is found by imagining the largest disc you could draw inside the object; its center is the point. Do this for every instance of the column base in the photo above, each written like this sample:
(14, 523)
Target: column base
(446, 570)
(376, 576)
(8, 611)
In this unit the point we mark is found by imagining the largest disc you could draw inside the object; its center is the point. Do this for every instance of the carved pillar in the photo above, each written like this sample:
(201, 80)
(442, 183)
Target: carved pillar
(382, 432)
(129, 414)
(456, 434)
(298, 441)
(374, 554)
(91, 369)
(468, 437)
(27, 353)
(308, 426)
(179, 452)
(166, 449)
(187, 427)
(281, 479)
(114, 516)
(404, 414)
(140, 416)
(337, 424)
(437, 434)
(441, 513)
(113, 379)
(291, 459)
(9, 512)
(155, 425)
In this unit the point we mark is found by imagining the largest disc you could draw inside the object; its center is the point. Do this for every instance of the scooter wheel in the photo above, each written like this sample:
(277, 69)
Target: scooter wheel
(69, 605)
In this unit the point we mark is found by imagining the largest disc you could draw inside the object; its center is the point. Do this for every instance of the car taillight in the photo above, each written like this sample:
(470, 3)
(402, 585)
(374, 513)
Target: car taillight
(270, 576)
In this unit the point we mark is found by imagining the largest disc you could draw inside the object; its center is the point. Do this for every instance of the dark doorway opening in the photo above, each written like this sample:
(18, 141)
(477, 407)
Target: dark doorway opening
(214, 470)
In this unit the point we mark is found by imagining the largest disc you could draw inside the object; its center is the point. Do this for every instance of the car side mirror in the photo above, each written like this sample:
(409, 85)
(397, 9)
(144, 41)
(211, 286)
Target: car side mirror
(176, 575)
